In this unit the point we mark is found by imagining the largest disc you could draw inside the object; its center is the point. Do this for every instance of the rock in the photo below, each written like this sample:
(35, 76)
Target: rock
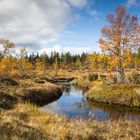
(7, 81)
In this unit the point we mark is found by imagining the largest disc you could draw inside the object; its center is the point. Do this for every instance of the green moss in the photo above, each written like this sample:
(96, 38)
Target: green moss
(126, 95)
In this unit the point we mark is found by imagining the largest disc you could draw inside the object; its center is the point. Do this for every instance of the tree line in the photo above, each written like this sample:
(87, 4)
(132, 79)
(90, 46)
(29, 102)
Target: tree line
(120, 51)
(64, 60)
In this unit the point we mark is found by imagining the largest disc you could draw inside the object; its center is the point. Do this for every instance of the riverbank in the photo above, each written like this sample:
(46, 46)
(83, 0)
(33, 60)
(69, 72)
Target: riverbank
(27, 90)
(122, 95)
(104, 91)
(26, 121)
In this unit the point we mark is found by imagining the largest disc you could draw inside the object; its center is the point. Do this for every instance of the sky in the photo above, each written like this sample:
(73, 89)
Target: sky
(58, 25)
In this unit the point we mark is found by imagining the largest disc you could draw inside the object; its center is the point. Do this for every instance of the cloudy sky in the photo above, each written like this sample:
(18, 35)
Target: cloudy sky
(60, 25)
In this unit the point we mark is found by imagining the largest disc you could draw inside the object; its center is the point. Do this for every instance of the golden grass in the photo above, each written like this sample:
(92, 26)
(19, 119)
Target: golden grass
(28, 90)
(26, 121)
(126, 95)
(84, 84)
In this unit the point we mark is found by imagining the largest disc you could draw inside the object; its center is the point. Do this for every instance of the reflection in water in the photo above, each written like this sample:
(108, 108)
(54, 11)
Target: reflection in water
(74, 104)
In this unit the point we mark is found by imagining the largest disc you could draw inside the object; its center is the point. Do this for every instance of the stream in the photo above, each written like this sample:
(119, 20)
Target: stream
(74, 104)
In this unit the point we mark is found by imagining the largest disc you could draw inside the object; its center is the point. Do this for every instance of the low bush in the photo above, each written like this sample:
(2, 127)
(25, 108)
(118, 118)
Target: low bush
(133, 78)
(92, 77)
(103, 77)
(84, 84)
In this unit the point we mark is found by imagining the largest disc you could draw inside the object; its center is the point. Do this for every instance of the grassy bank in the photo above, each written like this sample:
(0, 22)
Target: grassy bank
(101, 90)
(28, 90)
(27, 122)
(126, 95)
(88, 80)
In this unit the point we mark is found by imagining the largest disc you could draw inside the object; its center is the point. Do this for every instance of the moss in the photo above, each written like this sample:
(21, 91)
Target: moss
(126, 95)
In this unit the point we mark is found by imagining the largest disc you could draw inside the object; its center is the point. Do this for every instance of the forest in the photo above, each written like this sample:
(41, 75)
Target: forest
(96, 62)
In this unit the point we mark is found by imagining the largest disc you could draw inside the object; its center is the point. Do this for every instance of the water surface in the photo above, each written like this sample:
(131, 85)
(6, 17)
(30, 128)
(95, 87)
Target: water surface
(74, 104)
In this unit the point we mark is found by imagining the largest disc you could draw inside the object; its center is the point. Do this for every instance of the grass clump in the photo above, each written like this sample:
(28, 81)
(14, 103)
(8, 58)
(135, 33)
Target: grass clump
(127, 95)
(133, 78)
(84, 84)
(92, 77)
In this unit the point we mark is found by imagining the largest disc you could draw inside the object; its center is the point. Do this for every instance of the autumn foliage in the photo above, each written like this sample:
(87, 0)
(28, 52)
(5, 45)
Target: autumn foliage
(120, 36)
(119, 43)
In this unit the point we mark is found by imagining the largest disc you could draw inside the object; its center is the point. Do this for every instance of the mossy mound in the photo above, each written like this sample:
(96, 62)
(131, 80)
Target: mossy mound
(126, 95)
(29, 91)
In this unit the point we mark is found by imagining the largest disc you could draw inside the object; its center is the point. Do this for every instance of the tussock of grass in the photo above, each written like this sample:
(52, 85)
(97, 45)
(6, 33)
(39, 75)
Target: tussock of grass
(87, 81)
(27, 122)
(84, 84)
(127, 95)
(28, 90)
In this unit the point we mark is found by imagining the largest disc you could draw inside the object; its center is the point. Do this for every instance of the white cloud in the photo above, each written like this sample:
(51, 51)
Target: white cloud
(61, 49)
(132, 3)
(35, 22)
(78, 3)
(95, 15)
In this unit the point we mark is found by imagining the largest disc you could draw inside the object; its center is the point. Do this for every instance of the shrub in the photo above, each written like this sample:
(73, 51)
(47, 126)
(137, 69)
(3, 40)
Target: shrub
(84, 84)
(12, 67)
(103, 77)
(92, 77)
(133, 78)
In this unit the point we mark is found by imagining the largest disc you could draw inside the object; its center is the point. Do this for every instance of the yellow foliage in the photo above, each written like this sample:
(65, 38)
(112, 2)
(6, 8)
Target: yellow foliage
(7, 65)
(40, 67)
(10, 66)
(25, 67)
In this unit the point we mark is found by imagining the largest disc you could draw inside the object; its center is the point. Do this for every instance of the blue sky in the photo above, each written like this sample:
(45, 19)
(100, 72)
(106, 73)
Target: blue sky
(84, 32)
(60, 25)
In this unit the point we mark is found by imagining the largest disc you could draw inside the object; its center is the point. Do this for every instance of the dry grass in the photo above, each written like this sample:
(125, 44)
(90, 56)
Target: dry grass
(27, 90)
(84, 84)
(27, 122)
(126, 95)
(87, 83)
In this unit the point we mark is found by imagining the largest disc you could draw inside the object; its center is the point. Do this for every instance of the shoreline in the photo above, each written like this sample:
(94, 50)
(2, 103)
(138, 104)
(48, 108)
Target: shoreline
(28, 91)
(113, 94)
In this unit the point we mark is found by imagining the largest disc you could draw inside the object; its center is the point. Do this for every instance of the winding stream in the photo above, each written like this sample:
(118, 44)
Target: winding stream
(74, 104)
